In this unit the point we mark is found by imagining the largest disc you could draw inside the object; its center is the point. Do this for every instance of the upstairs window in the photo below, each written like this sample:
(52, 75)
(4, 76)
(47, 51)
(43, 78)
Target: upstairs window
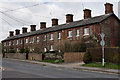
(13, 42)
(86, 31)
(20, 41)
(17, 42)
(59, 35)
(5, 44)
(26, 40)
(38, 39)
(10, 43)
(51, 36)
(45, 37)
(33, 40)
(69, 34)
(77, 32)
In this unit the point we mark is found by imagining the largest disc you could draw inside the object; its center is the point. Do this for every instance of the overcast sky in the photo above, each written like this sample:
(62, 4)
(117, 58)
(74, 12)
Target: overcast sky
(15, 15)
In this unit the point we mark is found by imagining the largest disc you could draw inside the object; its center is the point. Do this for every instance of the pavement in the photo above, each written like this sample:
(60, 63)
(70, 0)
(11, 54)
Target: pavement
(76, 66)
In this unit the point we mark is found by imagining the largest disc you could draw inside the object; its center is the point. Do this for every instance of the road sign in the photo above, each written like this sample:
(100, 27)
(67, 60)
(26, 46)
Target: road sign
(102, 35)
(102, 43)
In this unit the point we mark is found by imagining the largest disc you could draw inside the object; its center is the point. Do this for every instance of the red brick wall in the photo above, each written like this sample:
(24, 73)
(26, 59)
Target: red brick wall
(73, 56)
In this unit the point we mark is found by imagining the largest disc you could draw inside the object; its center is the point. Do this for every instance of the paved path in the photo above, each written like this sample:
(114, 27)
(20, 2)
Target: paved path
(18, 69)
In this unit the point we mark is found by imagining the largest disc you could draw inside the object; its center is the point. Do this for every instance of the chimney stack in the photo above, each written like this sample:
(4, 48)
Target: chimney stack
(17, 31)
(42, 25)
(33, 27)
(24, 30)
(54, 22)
(11, 33)
(69, 18)
(87, 13)
(108, 8)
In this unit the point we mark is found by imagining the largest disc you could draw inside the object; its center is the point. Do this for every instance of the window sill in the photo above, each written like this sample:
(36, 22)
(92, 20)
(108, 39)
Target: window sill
(77, 35)
(69, 37)
(86, 35)
(51, 39)
(59, 38)
(52, 50)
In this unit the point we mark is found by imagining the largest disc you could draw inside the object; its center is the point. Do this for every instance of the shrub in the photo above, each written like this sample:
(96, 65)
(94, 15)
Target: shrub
(111, 55)
(87, 58)
(11, 51)
(116, 58)
(26, 50)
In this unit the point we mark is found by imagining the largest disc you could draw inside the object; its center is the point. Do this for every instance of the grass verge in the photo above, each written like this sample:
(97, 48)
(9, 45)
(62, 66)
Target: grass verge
(52, 61)
(99, 65)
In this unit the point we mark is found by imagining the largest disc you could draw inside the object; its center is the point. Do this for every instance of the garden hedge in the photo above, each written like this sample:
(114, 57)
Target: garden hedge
(111, 54)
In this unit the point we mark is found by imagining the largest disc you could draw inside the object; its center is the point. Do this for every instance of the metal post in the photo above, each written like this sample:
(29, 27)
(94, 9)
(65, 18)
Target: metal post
(103, 56)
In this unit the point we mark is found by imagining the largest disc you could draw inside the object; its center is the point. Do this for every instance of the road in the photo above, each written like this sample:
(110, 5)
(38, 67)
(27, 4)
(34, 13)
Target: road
(17, 69)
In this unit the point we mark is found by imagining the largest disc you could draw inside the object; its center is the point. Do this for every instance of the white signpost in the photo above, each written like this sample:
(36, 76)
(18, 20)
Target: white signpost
(102, 43)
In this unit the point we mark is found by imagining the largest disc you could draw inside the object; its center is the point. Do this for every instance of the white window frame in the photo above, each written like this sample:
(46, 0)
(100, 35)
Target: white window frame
(17, 42)
(51, 48)
(4, 43)
(77, 32)
(10, 43)
(38, 39)
(45, 37)
(13, 42)
(69, 33)
(51, 36)
(4, 50)
(59, 35)
(45, 49)
(86, 31)
(26, 40)
(20, 41)
(32, 39)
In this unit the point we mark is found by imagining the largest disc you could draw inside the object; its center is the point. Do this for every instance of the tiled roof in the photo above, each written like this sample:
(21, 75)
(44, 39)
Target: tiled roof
(79, 23)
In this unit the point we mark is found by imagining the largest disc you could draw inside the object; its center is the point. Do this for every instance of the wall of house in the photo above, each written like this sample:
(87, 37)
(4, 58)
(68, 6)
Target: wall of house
(111, 27)
(94, 29)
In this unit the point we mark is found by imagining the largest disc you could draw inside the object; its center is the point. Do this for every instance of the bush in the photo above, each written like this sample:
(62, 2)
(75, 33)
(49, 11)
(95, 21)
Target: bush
(26, 50)
(87, 58)
(111, 55)
(67, 46)
(11, 51)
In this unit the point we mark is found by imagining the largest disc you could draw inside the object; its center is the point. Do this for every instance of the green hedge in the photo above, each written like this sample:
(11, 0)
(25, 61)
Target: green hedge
(111, 54)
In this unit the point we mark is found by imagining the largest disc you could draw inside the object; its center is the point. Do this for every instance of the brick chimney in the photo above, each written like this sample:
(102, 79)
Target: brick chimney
(108, 8)
(42, 25)
(33, 27)
(24, 30)
(17, 31)
(69, 18)
(87, 13)
(11, 33)
(54, 22)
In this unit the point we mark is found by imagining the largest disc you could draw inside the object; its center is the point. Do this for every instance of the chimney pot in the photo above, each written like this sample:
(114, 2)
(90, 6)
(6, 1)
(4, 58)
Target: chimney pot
(24, 30)
(69, 18)
(87, 13)
(108, 8)
(54, 21)
(17, 31)
(42, 25)
(33, 27)
(11, 33)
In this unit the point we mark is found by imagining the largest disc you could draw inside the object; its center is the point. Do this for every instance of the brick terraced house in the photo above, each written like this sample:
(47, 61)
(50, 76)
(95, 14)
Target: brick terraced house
(46, 38)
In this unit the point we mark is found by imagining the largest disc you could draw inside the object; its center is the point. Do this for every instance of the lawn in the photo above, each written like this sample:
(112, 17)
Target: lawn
(107, 65)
